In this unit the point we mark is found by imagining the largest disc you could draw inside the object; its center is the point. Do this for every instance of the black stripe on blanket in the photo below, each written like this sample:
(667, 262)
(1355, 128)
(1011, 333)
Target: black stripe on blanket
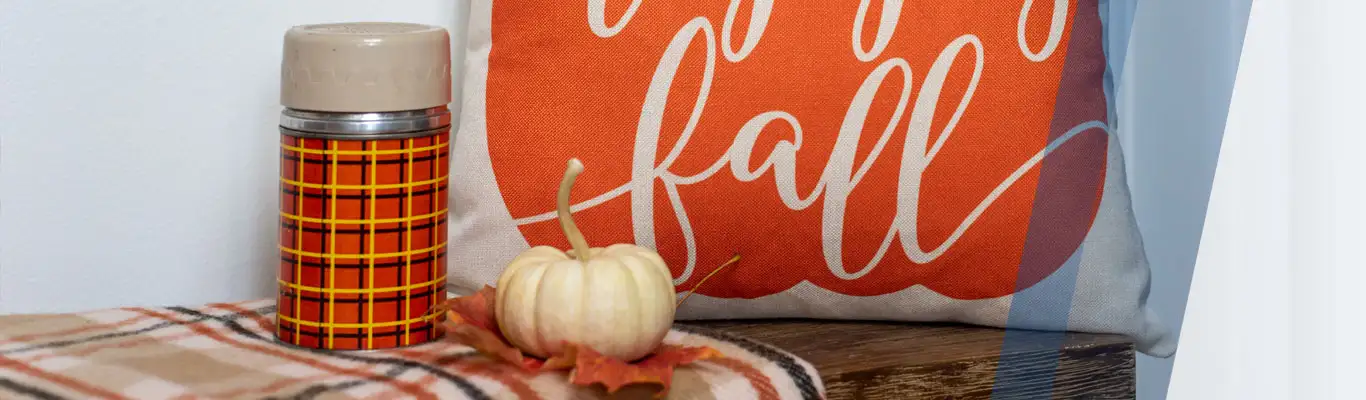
(320, 389)
(120, 334)
(460, 382)
(32, 392)
(789, 364)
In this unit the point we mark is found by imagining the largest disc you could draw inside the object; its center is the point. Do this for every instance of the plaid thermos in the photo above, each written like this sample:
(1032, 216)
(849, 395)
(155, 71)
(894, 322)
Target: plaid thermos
(364, 151)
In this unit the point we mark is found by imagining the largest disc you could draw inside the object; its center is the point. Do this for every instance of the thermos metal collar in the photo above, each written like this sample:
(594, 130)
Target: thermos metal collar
(390, 125)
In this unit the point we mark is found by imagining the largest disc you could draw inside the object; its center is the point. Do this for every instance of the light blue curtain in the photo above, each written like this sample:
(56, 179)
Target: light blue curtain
(1118, 17)
(1172, 67)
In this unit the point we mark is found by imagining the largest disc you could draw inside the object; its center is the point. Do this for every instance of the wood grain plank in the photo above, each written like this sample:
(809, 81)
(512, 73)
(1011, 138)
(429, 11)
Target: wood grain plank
(880, 360)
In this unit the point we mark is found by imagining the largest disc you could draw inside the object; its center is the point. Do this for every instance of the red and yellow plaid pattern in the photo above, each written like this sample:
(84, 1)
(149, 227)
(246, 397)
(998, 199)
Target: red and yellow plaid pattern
(228, 351)
(362, 240)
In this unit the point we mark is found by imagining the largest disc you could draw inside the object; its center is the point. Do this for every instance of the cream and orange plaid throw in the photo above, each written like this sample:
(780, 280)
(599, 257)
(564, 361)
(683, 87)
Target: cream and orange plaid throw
(228, 351)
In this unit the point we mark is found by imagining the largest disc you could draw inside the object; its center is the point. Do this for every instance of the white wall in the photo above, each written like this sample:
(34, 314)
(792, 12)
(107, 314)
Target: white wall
(1178, 79)
(1276, 305)
(138, 151)
(1245, 236)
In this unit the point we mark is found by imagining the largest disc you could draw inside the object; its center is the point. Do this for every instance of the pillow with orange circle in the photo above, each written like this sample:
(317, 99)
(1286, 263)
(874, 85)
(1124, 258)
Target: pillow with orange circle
(873, 160)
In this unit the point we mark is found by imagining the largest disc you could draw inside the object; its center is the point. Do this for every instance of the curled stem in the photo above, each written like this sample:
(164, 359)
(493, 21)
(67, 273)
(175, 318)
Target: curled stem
(713, 272)
(571, 230)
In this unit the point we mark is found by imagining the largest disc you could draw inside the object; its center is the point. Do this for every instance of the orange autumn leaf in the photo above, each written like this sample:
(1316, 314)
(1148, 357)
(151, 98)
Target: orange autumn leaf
(565, 360)
(482, 340)
(470, 321)
(590, 367)
(476, 309)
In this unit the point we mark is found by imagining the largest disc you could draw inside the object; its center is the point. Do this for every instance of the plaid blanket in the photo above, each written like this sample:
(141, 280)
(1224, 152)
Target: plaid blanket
(228, 351)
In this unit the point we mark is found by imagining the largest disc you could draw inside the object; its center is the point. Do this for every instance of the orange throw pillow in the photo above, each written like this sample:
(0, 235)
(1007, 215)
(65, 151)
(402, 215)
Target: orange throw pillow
(889, 160)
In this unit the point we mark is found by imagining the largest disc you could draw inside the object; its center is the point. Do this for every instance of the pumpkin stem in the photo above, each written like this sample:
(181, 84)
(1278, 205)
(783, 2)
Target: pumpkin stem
(733, 260)
(571, 231)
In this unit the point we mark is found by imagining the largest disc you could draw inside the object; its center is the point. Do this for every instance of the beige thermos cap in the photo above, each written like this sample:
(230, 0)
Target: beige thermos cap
(366, 67)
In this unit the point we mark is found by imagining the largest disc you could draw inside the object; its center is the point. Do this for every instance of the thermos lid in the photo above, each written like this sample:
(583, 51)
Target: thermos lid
(366, 67)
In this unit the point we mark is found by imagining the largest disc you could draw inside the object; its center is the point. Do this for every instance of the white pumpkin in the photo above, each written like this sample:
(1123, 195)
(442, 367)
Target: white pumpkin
(618, 300)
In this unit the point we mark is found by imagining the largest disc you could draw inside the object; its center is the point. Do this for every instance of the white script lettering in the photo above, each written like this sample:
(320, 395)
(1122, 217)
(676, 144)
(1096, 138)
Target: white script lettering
(597, 18)
(891, 13)
(839, 176)
(1055, 28)
(758, 20)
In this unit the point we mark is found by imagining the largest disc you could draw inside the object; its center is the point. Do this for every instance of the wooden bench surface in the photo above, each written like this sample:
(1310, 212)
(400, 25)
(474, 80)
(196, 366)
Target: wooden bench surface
(875, 361)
